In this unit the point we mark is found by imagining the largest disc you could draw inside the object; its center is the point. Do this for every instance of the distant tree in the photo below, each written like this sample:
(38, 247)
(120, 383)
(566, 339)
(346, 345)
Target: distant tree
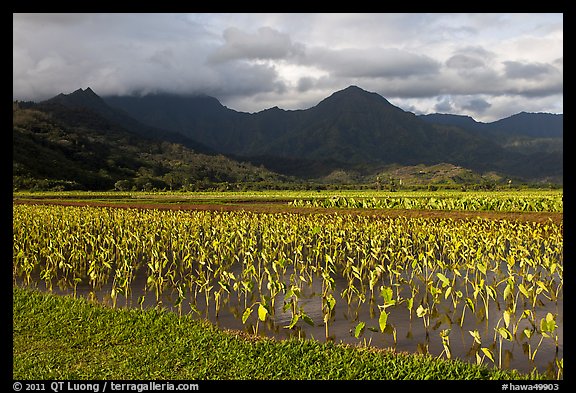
(392, 185)
(123, 185)
(172, 180)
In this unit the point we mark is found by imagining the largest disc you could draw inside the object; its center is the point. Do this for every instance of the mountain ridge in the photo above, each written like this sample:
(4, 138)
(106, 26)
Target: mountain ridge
(60, 148)
(352, 129)
(535, 124)
(88, 99)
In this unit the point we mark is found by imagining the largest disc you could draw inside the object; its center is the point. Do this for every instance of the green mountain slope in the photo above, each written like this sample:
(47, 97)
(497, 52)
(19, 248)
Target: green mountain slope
(352, 129)
(523, 132)
(55, 147)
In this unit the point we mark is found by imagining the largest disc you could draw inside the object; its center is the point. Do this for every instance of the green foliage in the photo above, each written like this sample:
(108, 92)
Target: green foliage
(74, 149)
(502, 202)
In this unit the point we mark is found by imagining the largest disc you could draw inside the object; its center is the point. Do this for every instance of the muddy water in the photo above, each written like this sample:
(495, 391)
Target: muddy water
(406, 332)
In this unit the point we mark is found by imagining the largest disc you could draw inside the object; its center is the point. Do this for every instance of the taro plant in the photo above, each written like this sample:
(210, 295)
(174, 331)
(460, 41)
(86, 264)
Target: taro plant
(482, 268)
(263, 312)
(291, 303)
(445, 336)
(547, 329)
(388, 301)
(328, 299)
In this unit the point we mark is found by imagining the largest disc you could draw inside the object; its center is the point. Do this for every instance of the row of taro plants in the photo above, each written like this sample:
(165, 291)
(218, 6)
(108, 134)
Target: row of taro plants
(498, 273)
(504, 203)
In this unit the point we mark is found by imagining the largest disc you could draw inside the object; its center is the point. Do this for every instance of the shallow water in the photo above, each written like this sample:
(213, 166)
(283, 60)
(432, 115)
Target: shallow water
(411, 335)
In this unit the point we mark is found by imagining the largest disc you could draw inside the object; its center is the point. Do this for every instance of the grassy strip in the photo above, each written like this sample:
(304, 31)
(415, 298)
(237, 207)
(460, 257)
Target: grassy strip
(57, 337)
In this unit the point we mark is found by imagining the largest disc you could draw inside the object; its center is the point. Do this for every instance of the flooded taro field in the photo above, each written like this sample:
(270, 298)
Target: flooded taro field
(484, 291)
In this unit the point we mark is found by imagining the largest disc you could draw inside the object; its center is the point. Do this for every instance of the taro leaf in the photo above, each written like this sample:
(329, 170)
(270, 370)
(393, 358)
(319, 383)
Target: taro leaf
(409, 303)
(383, 320)
(476, 336)
(505, 333)
(448, 292)
(262, 312)
(523, 290)
(246, 314)
(542, 286)
(491, 292)
(488, 353)
(547, 325)
(386, 293)
(508, 290)
(307, 319)
(294, 321)
(482, 267)
(507, 318)
(359, 329)
(478, 358)
(444, 279)
(331, 301)
(421, 311)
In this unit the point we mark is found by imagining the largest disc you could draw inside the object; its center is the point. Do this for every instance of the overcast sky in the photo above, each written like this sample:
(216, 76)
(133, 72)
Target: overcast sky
(488, 66)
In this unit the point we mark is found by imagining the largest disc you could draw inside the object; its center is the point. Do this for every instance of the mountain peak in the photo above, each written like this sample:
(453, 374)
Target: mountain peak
(79, 98)
(353, 88)
(354, 98)
(83, 92)
(89, 91)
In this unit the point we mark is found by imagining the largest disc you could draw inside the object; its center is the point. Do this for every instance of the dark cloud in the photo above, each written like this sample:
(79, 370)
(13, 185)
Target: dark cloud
(242, 79)
(444, 105)
(305, 83)
(518, 70)
(266, 43)
(553, 88)
(476, 105)
(373, 62)
(464, 62)
(470, 59)
(559, 62)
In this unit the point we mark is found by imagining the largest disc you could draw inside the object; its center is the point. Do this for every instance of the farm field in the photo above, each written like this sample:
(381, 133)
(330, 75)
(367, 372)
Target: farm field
(420, 272)
(542, 205)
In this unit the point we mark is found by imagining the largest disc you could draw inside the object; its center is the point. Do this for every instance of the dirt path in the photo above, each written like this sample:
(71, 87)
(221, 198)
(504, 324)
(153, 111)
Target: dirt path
(283, 207)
